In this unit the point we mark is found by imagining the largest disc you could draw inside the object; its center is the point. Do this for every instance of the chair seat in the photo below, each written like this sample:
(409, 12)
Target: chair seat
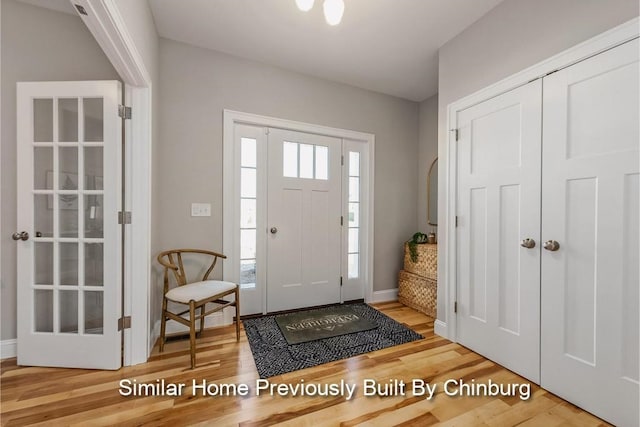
(199, 290)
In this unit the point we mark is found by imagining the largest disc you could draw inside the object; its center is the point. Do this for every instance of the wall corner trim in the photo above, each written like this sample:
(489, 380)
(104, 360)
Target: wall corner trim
(385, 295)
(8, 348)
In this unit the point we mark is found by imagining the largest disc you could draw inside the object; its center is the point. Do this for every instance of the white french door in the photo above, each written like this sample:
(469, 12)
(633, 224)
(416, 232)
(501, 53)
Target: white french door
(69, 244)
(590, 322)
(303, 220)
(498, 208)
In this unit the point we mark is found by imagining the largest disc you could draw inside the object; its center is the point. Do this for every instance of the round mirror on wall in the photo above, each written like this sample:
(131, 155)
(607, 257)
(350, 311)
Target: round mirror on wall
(432, 194)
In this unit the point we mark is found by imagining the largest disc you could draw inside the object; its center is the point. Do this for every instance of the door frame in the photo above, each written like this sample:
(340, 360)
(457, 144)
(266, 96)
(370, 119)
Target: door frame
(447, 263)
(231, 187)
(107, 26)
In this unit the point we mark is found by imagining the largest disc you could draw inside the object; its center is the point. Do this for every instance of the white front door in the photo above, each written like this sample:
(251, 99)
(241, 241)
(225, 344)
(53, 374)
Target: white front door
(303, 220)
(69, 243)
(498, 208)
(590, 207)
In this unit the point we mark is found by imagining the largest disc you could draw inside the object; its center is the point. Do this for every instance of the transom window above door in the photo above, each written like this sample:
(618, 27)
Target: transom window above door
(305, 161)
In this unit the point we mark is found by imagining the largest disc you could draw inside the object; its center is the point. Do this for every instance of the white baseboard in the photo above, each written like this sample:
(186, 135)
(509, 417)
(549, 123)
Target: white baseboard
(440, 328)
(8, 348)
(384, 296)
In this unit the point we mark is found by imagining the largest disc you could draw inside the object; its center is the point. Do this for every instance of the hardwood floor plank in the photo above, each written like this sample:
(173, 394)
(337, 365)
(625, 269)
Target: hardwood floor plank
(51, 396)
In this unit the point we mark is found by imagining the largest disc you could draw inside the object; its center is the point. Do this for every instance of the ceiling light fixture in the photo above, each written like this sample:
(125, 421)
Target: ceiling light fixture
(304, 5)
(333, 9)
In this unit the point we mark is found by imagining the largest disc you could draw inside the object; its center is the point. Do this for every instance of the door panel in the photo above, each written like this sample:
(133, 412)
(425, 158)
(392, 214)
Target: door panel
(590, 284)
(69, 292)
(498, 206)
(304, 231)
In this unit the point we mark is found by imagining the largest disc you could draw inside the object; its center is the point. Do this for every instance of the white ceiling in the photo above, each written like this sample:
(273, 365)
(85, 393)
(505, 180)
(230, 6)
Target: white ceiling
(388, 46)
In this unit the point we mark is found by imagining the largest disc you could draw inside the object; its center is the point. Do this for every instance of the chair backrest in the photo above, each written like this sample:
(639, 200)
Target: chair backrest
(171, 260)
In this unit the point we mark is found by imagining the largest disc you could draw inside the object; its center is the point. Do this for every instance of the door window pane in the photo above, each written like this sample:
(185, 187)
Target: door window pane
(93, 168)
(247, 183)
(93, 120)
(93, 216)
(42, 167)
(93, 312)
(68, 215)
(290, 159)
(322, 162)
(248, 273)
(248, 152)
(354, 189)
(93, 264)
(354, 242)
(43, 120)
(306, 161)
(354, 266)
(248, 213)
(354, 163)
(43, 215)
(69, 264)
(68, 120)
(43, 263)
(247, 244)
(43, 310)
(68, 167)
(68, 306)
(354, 214)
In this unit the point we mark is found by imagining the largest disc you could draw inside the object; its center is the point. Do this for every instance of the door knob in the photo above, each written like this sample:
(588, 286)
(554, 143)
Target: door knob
(551, 245)
(273, 230)
(528, 243)
(22, 235)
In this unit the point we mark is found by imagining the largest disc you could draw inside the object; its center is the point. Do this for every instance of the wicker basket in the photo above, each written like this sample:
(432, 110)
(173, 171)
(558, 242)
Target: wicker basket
(427, 263)
(417, 292)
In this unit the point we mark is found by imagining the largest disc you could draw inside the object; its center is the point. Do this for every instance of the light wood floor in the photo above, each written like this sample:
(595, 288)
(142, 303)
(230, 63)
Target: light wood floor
(55, 397)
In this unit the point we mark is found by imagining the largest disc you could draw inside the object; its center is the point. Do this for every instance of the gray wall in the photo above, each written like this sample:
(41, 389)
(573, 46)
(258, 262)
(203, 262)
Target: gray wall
(511, 37)
(197, 84)
(37, 45)
(427, 153)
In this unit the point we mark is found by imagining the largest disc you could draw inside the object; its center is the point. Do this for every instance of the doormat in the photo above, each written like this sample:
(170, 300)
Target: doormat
(311, 325)
(273, 355)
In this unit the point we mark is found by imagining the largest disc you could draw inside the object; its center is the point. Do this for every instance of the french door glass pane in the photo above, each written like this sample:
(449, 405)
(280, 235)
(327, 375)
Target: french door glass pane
(93, 218)
(93, 120)
(43, 168)
(290, 159)
(353, 240)
(354, 214)
(68, 168)
(93, 312)
(93, 168)
(354, 189)
(69, 264)
(306, 161)
(43, 120)
(43, 263)
(248, 182)
(248, 272)
(68, 120)
(68, 309)
(247, 244)
(43, 215)
(43, 310)
(354, 266)
(322, 162)
(248, 152)
(354, 163)
(93, 264)
(248, 213)
(68, 214)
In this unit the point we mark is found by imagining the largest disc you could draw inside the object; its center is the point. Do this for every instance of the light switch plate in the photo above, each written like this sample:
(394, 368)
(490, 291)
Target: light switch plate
(200, 209)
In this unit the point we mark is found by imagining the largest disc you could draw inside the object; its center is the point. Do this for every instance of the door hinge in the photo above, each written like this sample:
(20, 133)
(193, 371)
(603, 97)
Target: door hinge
(124, 323)
(455, 307)
(340, 281)
(341, 220)
(456, 220)
(124, 217)
(124, 112)
(342, 160)
(455, 133)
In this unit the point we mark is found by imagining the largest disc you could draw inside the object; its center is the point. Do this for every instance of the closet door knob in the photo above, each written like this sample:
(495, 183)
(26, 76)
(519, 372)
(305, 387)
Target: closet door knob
(551, 245)
(528, 243)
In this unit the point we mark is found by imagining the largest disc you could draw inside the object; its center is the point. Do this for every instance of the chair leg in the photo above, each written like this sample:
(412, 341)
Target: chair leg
(237, 313)
(192, 332)
(163, 324)
(202, 318)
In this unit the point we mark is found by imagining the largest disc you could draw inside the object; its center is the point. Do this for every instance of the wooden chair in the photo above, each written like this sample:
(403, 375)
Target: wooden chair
(195, 295)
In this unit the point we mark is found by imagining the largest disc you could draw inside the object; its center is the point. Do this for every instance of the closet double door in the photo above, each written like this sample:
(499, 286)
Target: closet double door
(548, 232)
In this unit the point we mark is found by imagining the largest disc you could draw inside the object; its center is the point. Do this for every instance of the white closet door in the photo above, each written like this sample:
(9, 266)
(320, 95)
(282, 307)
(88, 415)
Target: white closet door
(499, 207)
(590, 207)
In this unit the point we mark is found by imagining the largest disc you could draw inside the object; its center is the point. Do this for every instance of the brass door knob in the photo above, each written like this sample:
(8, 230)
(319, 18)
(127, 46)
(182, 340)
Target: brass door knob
(20, 235)
(551, 245)
(528, 243)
